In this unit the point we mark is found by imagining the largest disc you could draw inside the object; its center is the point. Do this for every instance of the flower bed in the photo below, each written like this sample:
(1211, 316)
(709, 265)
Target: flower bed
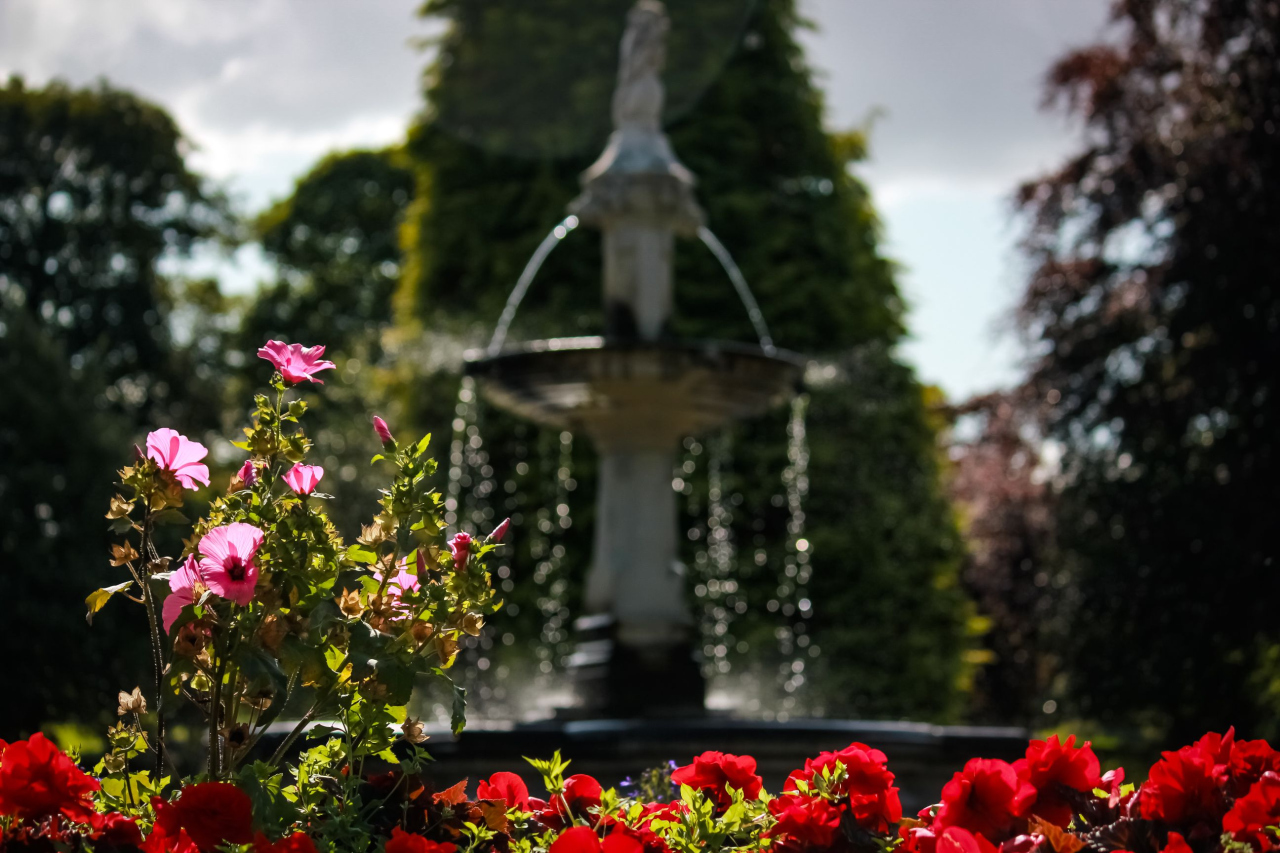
(267, 608)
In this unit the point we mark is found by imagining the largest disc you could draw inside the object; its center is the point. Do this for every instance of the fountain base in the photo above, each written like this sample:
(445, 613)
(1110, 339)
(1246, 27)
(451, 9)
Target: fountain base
(656, 679)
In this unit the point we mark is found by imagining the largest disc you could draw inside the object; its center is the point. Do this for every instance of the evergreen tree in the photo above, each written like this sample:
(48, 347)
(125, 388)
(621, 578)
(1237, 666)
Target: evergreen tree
(518, 107)
(1154, 316)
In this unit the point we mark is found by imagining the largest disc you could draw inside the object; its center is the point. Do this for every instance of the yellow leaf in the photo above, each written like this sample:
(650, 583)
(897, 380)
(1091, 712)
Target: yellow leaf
(99, 598)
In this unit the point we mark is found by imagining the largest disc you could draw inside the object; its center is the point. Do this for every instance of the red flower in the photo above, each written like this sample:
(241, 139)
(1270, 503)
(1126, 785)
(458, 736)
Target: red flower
(581, 792)
(116, 830)
(160, 841)
(1254, 812)
(713, 772)
(583, 839)
(868, 784)
(407, 842)
(299, 842)
(1051, 765)
(1176, 844)
(987, 797)
(1249, 760)
(955, 839)
(38, 780)
(804, 822)
(507, 787)
(211, 813)
(1184, 787)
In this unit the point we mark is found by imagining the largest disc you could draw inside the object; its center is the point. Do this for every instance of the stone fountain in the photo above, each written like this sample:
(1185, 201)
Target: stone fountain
(636, 393)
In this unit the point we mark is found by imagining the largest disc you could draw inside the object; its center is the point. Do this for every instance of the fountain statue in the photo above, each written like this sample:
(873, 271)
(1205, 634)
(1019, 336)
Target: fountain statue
(636, 393)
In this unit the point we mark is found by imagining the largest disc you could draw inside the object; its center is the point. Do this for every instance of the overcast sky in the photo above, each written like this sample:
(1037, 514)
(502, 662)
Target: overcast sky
(265, 87)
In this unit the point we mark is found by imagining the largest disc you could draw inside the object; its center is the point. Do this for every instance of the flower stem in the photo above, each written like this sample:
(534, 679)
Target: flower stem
(157, 653)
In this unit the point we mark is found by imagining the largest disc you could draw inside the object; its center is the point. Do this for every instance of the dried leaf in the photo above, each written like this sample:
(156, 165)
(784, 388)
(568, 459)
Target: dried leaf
(452, 796)
(495, 814)
(98, 599)
(121, 554)
(1061, 840)
(120, 508)
(132, 703)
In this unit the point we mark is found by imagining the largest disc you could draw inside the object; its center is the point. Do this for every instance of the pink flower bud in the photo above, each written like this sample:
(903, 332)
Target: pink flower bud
(500, 531)
(303, 478)
(384, 434)
(460, 547)
(248, 473)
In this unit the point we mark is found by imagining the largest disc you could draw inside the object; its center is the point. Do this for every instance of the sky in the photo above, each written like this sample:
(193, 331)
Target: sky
(263, 88)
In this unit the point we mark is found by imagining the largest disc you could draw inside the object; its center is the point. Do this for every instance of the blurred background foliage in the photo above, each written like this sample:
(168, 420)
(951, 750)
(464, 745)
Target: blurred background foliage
(1089, 547)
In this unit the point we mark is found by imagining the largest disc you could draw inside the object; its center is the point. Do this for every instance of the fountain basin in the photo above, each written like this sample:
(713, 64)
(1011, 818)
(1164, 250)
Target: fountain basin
(636, 393)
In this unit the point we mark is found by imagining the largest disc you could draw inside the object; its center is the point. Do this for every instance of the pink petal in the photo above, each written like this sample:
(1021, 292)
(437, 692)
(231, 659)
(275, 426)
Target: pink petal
(173, 605)
(214, 546)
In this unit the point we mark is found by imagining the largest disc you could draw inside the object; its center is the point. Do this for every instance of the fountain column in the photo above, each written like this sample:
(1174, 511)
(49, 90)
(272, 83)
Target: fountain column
(638, 632)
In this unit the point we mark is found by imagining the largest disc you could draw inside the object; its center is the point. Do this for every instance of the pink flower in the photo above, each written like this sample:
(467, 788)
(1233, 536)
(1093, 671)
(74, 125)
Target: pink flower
(500, 530)
(303, 478)
(460, 547)
(227, 564)
(295, 362)
(384, 433)
(186, 585)
(180, 456)
(248, 473)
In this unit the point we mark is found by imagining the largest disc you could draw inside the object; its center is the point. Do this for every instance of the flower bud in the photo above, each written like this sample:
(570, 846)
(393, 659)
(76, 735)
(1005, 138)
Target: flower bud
(460, 547)
(384, 433)
(500, 530)
(248, 473)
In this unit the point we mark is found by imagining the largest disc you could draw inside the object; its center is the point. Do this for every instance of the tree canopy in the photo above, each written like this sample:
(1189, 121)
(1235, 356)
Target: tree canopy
(1153, 315)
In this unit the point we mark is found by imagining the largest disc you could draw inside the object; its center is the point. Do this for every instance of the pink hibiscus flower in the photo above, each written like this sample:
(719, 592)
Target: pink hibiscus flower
(180, 456)
(186, 585)
(304, 478)
(227, 561)
(383, 431)
(295, 362)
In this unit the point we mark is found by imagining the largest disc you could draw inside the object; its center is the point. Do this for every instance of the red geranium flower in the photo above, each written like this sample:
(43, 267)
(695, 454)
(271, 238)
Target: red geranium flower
(1051, 765)
(211, 813)
(804, 822)
(1175, 843)
(1249, 760)
(1254, 812)
(407, 842)
(38, 781)
(160, 841)
(581, 793)
(987, 797)
(1184, 787)
(583, 839)
(116, 830)
(507, 787)
(299, 842)
(713, 772)
(868, 784)
(955, 839)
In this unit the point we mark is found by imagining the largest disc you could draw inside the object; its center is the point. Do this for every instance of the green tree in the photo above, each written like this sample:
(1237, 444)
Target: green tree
(518, 107)
(93, 192)
(1154, 316)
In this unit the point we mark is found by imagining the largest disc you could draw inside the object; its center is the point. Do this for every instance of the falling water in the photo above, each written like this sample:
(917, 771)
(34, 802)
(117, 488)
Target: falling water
(793, 586)
(717, 562)
(548, 243)
(471, 482)
(739, 284)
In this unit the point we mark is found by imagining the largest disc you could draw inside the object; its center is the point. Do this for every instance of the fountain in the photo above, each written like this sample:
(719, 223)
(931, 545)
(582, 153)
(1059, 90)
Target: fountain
(636, 393)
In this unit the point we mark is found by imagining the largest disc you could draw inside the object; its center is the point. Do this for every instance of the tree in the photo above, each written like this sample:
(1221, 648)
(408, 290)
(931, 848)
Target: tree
(1154, 315)
(93, 191)
(518, 107)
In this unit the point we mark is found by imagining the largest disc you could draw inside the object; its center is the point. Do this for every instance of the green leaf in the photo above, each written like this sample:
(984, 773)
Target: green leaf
(422, 445)
(458, 713)
(361, 554)
(169, 516)
(99, 598)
